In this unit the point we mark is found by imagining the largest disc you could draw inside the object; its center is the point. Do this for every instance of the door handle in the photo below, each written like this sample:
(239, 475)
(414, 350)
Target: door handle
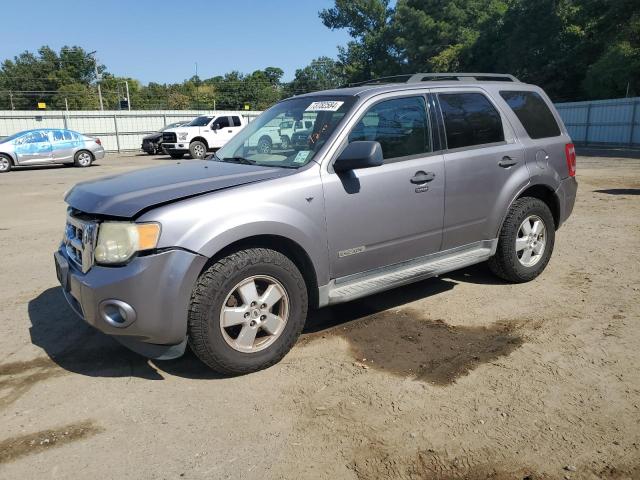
(507, 162)
(423, 177)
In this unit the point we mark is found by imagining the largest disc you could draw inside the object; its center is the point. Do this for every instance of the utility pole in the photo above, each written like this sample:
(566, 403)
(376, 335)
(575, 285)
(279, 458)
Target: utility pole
(197, 89)
(11, 99)
(66, 104)
(126, 84)
(98, 77)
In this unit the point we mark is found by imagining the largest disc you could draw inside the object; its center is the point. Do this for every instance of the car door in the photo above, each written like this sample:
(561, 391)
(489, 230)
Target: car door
(388, 214)
(62, 145)
(484, 163)
(33, 147)
(222, 131)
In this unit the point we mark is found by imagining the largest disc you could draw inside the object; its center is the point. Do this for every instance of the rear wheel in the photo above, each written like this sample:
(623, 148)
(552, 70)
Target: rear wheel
(83, 159)
(286, 143)
(526, 241)
(5, 164)
(197, 149)
(247, 311)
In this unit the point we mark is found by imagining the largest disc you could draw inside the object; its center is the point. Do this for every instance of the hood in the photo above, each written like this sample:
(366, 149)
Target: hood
(153, 136)
(127, 194)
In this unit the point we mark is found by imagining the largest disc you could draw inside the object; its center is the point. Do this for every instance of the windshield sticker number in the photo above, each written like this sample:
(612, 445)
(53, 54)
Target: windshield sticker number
(301, 157)
(327, 106)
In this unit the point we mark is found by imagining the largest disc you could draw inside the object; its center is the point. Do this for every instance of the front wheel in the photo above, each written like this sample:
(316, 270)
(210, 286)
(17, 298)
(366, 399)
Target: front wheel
(197, 149)
(526, 241)
(83, 159)
(5, 164)
(247, 311)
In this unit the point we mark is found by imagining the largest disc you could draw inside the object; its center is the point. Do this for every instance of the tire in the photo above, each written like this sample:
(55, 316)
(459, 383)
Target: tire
(83, 159)
(197, 149)
(286, 142)
(264, 145)
(521, 257)
(176, 156)
(5, 163)
(217, 287)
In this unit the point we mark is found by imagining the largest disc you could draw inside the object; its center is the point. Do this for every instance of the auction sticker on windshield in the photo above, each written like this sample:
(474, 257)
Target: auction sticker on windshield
(326, 106)
(301, 156)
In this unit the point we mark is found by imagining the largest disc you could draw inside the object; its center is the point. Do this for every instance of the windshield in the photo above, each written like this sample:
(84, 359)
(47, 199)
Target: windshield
(199, 122)
(11, 137)
(172, 125)
(260, 144)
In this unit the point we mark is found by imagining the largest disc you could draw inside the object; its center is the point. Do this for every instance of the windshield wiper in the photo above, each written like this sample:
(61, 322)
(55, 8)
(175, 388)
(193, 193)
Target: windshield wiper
(242, 160)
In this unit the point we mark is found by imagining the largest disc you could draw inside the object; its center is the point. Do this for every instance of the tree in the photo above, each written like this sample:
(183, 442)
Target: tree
(322, 73)
(373, 51)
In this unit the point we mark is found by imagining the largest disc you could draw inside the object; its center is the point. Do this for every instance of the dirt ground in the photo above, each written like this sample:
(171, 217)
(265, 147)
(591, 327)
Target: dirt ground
(455, 377)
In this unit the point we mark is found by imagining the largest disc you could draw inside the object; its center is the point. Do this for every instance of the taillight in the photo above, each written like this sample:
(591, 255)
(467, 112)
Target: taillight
(570, 153)
(98, 141)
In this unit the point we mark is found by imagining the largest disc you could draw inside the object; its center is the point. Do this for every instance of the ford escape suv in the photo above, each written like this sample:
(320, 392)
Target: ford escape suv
(397, 180)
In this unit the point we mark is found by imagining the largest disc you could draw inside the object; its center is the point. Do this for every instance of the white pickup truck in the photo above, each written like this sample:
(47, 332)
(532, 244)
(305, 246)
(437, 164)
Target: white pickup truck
(202, 134)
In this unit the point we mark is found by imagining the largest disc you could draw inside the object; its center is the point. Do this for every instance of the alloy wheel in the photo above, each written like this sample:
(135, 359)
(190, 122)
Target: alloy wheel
(531, 241)
(254, 314)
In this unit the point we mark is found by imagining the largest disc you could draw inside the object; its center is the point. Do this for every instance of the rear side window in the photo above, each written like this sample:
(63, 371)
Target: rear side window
(533, 113)
(470, 119)
(399, 125)
(222, 121)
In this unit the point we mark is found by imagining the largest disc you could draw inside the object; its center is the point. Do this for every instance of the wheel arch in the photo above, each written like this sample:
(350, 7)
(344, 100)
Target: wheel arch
(289, 248)
(544, 193)
(200, 139)
(10, 157)
(80, 150)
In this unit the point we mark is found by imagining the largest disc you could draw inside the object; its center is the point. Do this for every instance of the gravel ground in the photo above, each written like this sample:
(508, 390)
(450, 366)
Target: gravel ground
(456, 377)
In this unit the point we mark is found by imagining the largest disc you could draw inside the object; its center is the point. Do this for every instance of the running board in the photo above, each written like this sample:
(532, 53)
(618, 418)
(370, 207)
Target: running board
(361, 285)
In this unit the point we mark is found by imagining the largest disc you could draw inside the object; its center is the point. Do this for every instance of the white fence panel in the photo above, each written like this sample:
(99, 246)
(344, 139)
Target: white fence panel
(117, 130)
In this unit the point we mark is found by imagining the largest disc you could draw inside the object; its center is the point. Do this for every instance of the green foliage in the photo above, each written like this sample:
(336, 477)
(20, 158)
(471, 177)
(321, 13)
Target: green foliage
(322, 73)
(575, 49)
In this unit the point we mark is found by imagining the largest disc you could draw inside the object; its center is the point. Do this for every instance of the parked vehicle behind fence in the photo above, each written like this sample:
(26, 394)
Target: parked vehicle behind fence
(152, 144)
(228, 254)
(49, 146)
(201, 135)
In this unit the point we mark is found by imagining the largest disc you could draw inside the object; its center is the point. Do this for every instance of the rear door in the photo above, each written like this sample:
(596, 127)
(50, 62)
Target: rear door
(484, 165)
(385, 215)
(63, 145)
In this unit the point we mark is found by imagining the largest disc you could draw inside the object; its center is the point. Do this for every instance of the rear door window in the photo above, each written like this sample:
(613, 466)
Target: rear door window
(236, 121)
(470, 119)
(222, 122)
(533, 112)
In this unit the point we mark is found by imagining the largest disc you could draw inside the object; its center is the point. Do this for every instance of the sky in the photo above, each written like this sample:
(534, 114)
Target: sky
(161, 41)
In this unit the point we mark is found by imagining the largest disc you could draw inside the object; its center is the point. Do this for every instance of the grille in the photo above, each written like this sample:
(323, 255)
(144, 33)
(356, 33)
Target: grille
(169, 137)
(79, 241)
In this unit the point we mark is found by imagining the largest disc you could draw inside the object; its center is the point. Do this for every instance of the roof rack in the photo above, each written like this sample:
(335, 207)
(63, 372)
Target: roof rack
(439, 77)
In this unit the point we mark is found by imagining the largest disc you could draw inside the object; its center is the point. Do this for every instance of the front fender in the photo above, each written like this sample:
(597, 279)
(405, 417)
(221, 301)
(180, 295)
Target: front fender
(290, 207)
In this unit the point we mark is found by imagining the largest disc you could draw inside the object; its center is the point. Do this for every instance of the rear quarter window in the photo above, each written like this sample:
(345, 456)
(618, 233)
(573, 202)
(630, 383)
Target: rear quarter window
(533, 113)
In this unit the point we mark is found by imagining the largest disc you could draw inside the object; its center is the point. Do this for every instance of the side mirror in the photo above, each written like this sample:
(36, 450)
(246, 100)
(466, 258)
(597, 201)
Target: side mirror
(364, 154)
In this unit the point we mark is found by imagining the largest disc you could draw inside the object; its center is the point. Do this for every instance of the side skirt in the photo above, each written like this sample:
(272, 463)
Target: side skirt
(360, 285)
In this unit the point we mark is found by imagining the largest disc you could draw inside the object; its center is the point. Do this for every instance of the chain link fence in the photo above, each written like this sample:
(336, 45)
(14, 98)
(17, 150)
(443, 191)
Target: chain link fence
(607, 123)
(117, 130)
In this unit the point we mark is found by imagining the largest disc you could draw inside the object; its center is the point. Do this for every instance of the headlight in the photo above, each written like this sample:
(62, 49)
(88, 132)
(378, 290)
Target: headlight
(119, 241)
(182, 135)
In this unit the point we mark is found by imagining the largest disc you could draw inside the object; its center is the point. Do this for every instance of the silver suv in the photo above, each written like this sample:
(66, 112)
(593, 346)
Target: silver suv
(398, 180)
